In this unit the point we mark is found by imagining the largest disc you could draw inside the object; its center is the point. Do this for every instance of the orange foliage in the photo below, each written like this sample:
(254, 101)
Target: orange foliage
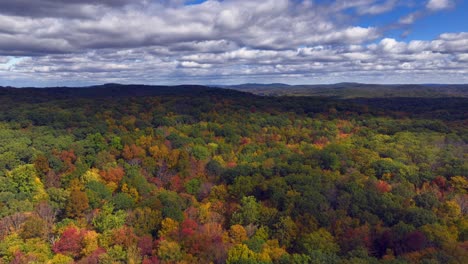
(321, 142)
(113, 174)
(68, 157)
(383, 186)
(133, 152)
(245, 141)
(124, 236)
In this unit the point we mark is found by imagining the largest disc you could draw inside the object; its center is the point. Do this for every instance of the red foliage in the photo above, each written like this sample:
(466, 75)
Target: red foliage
(93, 258)
(464, 245)
(113, 174)
(202, 239)
(383, 186)
(244, 141)
(124, 236)
(356, 237)
(175, 184)
(441, 182)
(151, 260)
(69, 243)
(415, 241)
(18, 258)
(145, 244)
(188, 227)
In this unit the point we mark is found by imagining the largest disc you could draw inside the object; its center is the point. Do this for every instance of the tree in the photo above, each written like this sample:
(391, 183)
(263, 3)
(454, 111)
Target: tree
(169, 228)
(90, 243)
(34, 227)
(41, 163)
(249, 212)
(320, 240)
(241, 254)
(144, 220)
(286, 231)
(70, 242)
(107, 219)
(77, 203)
(24, 180)
(169, 251)
(200, 152)
(114, 174)
(237, 234)
(145, 244)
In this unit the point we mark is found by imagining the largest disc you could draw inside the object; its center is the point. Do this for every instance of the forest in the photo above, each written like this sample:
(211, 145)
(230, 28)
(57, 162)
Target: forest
(192, 174)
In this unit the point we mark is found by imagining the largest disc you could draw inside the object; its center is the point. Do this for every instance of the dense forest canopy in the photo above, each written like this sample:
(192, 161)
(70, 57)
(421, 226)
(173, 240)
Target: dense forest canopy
(191, 174)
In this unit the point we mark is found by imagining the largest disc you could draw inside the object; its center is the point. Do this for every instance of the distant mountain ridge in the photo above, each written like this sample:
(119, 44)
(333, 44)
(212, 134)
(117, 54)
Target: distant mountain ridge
(338, 90)
(111, 90)
(357, 90)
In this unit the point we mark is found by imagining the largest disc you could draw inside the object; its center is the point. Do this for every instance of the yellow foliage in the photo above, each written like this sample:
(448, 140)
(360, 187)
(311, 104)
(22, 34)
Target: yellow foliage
(112, 186)
(61, 259)
(212, 146)
(90, 243)
(220, 160)
(159, 153)
(240, 253)
(238, 234)
(169, 251)
(91, 175)
(450, 210)
(41, 194)
(131, 191)
(263, 257)
(168, 226)
(172, 158)
(218, 192)
(273, 250)
(204, 212)
(144, 141)
(460, 183)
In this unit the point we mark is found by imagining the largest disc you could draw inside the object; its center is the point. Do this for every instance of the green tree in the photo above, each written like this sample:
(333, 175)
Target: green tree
(248, 213)
(107, 219)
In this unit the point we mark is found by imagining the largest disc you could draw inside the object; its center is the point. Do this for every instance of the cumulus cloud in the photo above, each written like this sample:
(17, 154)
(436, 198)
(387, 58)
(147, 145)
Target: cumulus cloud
(270, 24)
(378, 8)
(143, 41)
(435, 5)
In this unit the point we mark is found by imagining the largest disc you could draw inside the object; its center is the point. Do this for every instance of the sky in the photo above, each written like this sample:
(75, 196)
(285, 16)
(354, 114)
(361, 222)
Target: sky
(221, 42)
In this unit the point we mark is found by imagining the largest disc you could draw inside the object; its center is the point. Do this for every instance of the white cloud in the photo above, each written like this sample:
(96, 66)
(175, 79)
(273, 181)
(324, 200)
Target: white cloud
(409, 19)
(232, 40)
(436, 5)
(378, 8)
(192, 64)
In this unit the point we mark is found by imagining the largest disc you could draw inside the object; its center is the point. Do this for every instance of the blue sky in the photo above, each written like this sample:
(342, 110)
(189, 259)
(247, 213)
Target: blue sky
(76, 43)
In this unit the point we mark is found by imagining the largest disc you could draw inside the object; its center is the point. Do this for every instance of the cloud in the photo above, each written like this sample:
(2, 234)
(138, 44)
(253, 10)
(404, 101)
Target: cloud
(270, 24)
(145, 41)
(378, 8)
(410, 18)
(4, 60)
(435, 5)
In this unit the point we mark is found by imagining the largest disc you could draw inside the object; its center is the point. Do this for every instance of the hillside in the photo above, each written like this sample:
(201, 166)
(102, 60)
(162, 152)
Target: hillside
(193, 174)
(355, 90)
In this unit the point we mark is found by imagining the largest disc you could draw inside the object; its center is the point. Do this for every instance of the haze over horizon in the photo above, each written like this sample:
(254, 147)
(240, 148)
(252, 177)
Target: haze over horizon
(88, 42)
